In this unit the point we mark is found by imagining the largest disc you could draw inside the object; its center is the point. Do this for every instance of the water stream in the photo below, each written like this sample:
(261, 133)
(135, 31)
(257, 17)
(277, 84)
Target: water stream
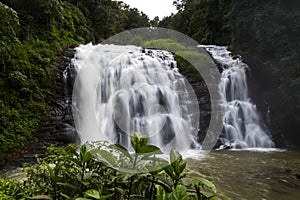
(242, 124)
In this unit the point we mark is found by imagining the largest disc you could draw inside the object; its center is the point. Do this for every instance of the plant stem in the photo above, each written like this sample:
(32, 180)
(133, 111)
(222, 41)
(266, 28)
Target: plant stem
(152, 188)
(132, 179)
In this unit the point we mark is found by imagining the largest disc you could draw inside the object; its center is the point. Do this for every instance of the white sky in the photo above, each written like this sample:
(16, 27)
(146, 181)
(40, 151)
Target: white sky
(152, 8)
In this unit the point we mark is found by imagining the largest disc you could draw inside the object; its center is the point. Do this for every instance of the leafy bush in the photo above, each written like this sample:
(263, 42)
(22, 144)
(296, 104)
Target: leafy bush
(166, 44)
(103, 171)
(198, 59)
(10, 26)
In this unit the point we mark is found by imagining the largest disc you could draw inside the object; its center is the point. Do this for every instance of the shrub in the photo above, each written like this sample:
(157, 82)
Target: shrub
(103, 171)
(166, 44)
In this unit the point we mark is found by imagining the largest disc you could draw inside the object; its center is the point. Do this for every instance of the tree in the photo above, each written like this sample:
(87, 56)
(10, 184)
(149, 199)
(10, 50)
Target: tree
(154, 22)
(9, 27)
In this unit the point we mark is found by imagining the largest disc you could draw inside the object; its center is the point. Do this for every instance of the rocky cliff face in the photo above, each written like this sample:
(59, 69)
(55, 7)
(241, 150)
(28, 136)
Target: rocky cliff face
(276, 101)
(201, 91)
(61, 128)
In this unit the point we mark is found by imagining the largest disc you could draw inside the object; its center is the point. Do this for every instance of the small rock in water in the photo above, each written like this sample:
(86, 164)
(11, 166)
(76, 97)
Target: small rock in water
(237, 146)
(227, 147)
(288, 170)
(297, 176)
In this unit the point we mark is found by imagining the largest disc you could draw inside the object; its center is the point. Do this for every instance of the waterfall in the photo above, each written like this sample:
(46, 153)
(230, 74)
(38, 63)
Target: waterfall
(241, 121)
(120, 89)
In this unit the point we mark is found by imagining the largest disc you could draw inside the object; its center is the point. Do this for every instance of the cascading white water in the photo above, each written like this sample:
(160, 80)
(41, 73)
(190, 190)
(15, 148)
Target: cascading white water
(119, 89)
(241, 120)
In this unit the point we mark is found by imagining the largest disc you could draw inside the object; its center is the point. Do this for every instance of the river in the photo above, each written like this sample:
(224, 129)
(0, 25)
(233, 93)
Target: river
(252, 175)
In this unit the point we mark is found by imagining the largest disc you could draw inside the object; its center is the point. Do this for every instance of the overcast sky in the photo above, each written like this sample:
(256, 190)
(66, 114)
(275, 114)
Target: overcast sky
(153, 8)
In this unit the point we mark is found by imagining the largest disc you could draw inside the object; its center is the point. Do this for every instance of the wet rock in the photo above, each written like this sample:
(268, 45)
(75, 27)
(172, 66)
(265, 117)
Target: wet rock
(224, 147)
(238, 146)
(288, 170)
(67, 134)
(201, 91)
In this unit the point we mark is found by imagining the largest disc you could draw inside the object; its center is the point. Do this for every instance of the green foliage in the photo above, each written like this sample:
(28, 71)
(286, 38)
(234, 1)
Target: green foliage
(106, 18)
(25, 83)
(9, 189)
(161, 193)
(179, 193)
(17, 79)
(31, 34)
(135, 19)
(166, 44)
(205, 21)
(102, 171)
(10, 26)
(199, 60)
(181, 53)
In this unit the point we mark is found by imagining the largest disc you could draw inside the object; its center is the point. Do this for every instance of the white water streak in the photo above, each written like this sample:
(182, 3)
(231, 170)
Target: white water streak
(241, 120)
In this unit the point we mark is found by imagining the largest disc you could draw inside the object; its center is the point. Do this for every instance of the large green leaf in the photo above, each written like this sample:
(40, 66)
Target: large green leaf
(87, 157)
(156, 165)
(182, 166)
(205, 182)
(65, 196)
(97, 195)
(104, 156)
(161, 193)
(127, 170)
(180, 193)
(104, 197)
(176, 160)
(93, 193)
(149, 149)
(175, 155)
(170, 171)
(122, 149)
(50, 170)
(138, 140)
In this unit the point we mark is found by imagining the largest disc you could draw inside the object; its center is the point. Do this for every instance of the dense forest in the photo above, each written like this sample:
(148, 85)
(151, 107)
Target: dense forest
(32, 33)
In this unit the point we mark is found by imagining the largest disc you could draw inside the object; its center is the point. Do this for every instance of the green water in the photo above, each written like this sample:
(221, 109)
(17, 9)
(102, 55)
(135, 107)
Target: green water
(252, 175)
